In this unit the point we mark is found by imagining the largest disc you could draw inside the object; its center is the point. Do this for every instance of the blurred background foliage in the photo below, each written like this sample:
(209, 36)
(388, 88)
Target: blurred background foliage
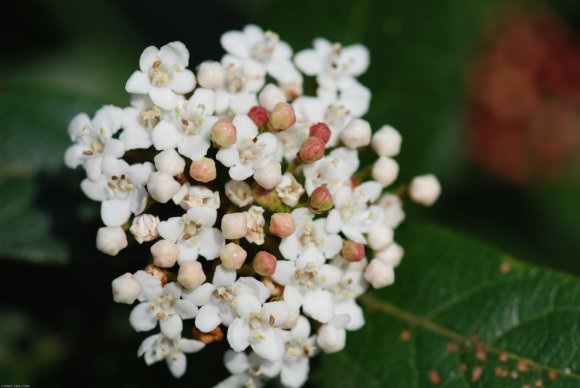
(58, 325)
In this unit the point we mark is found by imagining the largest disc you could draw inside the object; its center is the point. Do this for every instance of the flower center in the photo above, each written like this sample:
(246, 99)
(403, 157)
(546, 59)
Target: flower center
(158, 74)
(263, 50)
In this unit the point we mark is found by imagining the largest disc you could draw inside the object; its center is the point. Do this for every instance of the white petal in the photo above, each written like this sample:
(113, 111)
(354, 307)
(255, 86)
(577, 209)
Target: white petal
(165, 135)
(295, 373)
(228, 156)
(319, 305)
(235, 43)
(223, 277)
(177, 364)
(74, 156)
(194, 147)
(190, 345)
(354, 311)
(187, 251)
(358, 59)
(309, 62)
(138, 83)
(171, 326)
(293, 297)
(333, 221)
(97, 191)
(147, 343)
(207, 318)
(115, 212)
(163, 97)
(246, 129)
(139, 173)
(151, 287)
(247, 304)
(202, 100)
(284, 273)
(186, 309)
(241, 172)
(135, 137)
(236, 363)
(201, 295)
(93, 167)
(148, 57)
(182, 82)
(278, 311)
(143, 318)
(213, 241)
(172, 229)
(271, 347)
(238, 335)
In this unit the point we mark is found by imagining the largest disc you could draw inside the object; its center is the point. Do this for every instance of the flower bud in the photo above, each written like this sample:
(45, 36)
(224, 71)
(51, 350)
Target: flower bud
(126, 289)
(239, 192)
(352, 251)
(391, 255)
(282, 224)
(234, 226)
(321, 131)
(386, 141)
(271, 96)
(191, 275)
(425, 189)
(268, 199)
(224, 133)
(311, 150)
(268, 175)
(385, 170)
(264, 263)
(144, 228)
(211, 75)
(379, 237)
(170, 162)
(111, 240)
(161, 186)
(320, 200)
(356, 134)
(164, 253)
(331, 339)
(282, 117)
(259, 116)
(203, 170)
(379, 274)
(232, 256)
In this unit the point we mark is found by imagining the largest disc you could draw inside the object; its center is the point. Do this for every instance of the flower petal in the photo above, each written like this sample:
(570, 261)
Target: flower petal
(177, 364)
(115, 212)
(171, 326)
(319, 305)
(238, 335)
(138, 83)
(208, 318)
(142, 317)
(163, 97)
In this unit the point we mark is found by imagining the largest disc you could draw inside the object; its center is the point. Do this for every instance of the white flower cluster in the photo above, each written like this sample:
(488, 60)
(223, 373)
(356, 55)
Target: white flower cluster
(259, 176)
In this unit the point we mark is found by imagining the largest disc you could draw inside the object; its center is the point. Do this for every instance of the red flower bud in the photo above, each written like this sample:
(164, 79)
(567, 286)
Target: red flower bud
(264, 263)
(321, 131)
(352, 251)
(320, 200)
(311, 150)
(259, 116)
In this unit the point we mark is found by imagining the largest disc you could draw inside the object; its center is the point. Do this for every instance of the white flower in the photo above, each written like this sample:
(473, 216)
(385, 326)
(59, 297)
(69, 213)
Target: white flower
(165, 307)
(239, 192)
(188, 126)
(189, 197)
(332, 62)
(163, 74)
(193, 234)
(244, 78)
(299, 348)
(217, 299)
(334, 170)
(121, 189)
(289, 190)
(307, 281)
(351, 285)
(255, 225)
(144, 228)
(392, 209)
(266, 48)
(257, 325)
(249, 151)
(309, 233)
(138, 124)
(248, 370)
(93, 140)
(157, 347)
(352, 215)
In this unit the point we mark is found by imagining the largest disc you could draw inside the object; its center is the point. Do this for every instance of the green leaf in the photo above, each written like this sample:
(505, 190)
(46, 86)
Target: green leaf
(462, 314)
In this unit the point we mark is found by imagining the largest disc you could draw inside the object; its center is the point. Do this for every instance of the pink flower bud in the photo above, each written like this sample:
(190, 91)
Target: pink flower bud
(320, 200)
(321, 131)
(203, 170)
(282, 224)
(233, 256)
(282, 117)
(224, 133)
(259, 116)
(352, 251)
(126, 289)
(164, 253)
(234, 225)
(191, 275)
(268, 199)
(264, 263)
(311, 150)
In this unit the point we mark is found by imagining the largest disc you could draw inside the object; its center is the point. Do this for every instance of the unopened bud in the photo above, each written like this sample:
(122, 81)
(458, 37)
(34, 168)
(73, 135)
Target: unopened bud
(161, 186)
(352, 251)
(224, 133)
(379, 237)
(385, 170)
(191, 275)
(311, 150)
(271, 96)
(268, 199)
(386, 141)
(111, 240)
(331, 339)
(170, 162)
(144, 228)
(259, 116)
(126, 289)
(264, 263)
(425, 189)
(157, 273)
(234, 226)
(203, 170)
(391, 255)
(232, 256)
(321, 131)
(282, 117)
(320, 200)
(164, 253)
(211, 75)
(379, 274)
(356, 134)
(282, 224)
(268, 175)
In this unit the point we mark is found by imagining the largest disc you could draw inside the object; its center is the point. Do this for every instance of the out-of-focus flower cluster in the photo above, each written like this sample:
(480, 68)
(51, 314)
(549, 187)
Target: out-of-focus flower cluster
(524, 108)
(262, 229)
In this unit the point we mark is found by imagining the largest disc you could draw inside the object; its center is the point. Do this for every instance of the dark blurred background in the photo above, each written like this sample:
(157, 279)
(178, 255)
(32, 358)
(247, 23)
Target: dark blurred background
(485, 92)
